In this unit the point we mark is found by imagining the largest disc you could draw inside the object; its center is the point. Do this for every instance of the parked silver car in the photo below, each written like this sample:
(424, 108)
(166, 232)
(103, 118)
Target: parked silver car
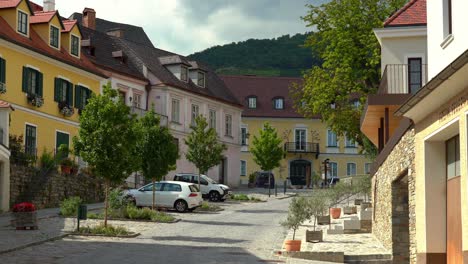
(181, 196)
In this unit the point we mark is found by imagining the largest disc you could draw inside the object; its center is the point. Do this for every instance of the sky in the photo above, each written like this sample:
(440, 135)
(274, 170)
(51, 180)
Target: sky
(187, 26)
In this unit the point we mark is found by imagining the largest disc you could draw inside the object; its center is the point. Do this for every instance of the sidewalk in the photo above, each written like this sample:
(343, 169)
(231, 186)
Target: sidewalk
(262, 193)
(51, 227)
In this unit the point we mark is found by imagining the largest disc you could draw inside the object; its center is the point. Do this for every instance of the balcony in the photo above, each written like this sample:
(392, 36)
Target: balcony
(164, 120)
(302, 147)
(403, 78)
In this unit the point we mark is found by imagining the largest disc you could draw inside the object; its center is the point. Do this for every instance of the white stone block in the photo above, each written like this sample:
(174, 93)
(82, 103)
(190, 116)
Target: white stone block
(366, 215)
(351, 224)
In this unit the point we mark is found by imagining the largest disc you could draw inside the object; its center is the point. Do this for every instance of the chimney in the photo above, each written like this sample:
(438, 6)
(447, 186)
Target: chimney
(116, 32)
(89, 18)
(49, 5)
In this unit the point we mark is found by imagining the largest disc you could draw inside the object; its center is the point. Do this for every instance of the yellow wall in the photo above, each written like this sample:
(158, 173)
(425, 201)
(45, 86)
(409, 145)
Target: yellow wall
(285, 128)
(10, 14)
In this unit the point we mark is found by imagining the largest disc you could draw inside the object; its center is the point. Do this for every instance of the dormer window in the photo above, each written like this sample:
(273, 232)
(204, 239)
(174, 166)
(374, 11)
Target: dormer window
(201, 79)
(54, 37)
(252, 101)
(75, 46)
(22, 23)
(278, 103)
(184, 73)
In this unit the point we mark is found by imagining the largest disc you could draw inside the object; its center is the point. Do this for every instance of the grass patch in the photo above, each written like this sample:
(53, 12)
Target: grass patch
(205, 206)
(102, 230)
(133, 213)
(244, 197)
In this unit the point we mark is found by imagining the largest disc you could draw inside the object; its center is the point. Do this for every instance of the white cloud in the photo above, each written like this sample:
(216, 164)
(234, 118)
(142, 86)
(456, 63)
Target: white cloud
(187, 26)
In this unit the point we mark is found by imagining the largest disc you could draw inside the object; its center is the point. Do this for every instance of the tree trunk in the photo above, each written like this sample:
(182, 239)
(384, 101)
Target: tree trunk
(106, 203)
(154, 195)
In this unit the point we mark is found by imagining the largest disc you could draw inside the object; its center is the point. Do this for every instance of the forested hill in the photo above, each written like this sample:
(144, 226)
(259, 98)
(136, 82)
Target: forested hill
(282, 56)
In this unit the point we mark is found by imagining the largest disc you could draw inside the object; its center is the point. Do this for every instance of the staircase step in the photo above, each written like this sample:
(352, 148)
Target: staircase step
(368, 257)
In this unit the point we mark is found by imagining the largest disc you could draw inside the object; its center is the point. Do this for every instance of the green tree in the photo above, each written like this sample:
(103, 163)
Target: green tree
(204, 149)
(158, 152)
(267, 150)
(345, 42)
(107, 139)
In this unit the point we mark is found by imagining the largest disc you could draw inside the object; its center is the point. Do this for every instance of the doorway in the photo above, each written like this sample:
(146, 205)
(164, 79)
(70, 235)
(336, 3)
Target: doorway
(454, 229)
(298, 171)
(400, 220)
(223, 171)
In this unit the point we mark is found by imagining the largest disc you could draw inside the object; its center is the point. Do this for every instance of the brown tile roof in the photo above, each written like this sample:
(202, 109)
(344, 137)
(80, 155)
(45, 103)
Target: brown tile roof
(9, 3)
(35, 7)
(42, 17)
(265, 89)
(37, 44)
(414, 13)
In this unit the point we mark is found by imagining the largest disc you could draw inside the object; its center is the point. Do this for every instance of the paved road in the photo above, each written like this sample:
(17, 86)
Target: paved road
(243, 233)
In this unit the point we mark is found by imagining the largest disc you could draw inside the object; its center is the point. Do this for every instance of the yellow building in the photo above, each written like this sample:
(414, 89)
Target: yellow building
(42, 74)
(307, 142)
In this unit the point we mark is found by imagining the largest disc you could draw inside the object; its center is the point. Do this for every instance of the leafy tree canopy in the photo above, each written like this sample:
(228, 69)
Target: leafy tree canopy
(267, 150)
(350, 52)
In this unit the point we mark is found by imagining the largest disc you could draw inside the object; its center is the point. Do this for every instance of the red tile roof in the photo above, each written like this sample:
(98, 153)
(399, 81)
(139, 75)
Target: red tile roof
(37, 44)
(68, 25)
(265, 89)
(9, 3)
(414, 13)
(42, 17)
(4, 104)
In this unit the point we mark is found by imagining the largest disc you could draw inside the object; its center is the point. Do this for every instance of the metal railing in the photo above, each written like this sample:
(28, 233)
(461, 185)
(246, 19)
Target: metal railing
(302, 147)
(164, 120)
(397, 79)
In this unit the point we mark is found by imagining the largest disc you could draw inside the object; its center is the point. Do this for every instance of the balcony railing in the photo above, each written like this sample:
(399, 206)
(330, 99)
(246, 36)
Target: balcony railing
(302, 147)
(403, 79)
(164, 120)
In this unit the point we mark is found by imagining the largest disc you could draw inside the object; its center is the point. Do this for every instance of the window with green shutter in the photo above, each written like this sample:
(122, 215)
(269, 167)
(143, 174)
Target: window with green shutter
(2, 71)
(32, 81)
(82, 95)
(62, 139)
(63, 92)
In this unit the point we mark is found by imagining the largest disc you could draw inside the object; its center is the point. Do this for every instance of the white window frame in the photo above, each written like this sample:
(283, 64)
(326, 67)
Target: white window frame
(244, 139)
(212, 118)
(71, 45)
(58, 37)
(27, 22)
(348, 169)
(175, 111)
(228, 125)
(26, 124)
(329, 131)
(194, 113)
(243, 168)
(201, 81)
(348, 142)
(252, 102)
(184, 69)
(305, 139)
(367, 167)
(333, 170)
(137, 100)
(278, 105)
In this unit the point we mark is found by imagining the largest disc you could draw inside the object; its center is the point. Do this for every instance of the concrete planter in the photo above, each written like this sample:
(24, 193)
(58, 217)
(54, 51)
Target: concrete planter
(314, 236)
(365, 205)
(323, 220)
(350, 210)
(358, 201)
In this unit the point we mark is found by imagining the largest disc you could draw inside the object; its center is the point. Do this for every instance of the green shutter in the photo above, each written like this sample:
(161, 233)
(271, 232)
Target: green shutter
(40, 78)
(70, 94)
(2, 71)
(58, 82)
(78, 97)
(25, 79)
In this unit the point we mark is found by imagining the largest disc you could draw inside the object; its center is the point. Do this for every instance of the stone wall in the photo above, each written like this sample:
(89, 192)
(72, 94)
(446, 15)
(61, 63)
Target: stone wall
(48, 188)
(400, 162)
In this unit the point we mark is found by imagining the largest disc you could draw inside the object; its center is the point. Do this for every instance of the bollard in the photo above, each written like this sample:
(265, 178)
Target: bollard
(81, 215)
(284, 186)
(276, 190)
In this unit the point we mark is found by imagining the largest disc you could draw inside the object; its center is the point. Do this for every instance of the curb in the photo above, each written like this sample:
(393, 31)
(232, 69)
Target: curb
(132, 220)
(99, 235)
(34, 244)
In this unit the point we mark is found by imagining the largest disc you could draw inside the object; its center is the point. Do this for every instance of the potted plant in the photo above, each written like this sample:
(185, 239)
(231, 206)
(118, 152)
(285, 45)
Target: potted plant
(297, 214)
(65, 109)
(66, 166)
(336, 195)
(25, 216)
(252, 177)
(35, 100)
(317, 204)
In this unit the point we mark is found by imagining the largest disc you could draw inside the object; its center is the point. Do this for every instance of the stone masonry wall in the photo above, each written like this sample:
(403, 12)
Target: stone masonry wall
(402, 158)
(48, 189)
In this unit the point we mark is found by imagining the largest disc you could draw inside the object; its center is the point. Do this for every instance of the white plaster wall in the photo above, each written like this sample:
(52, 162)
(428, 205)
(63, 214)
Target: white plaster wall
(398, 50)
(440, 57)
(117, 83)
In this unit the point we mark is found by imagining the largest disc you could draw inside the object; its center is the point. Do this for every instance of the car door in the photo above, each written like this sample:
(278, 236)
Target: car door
(170, 193)
(146, 195)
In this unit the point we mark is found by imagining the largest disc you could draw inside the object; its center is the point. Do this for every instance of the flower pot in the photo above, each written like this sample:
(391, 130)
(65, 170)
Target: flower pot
(314, 236)
(323, 220)
(357, 201)
(335, 213)
(292, 245)
(349, 210)
(66, 169)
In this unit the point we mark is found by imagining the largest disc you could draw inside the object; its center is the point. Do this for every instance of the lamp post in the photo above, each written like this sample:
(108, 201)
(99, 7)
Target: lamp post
(326, 163)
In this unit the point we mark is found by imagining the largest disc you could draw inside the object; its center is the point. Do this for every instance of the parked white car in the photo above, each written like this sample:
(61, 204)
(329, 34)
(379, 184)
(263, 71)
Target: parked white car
(209, 188)
(181, 196)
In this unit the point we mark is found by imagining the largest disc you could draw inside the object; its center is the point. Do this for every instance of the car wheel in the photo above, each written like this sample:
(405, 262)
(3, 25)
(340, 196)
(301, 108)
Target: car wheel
(180, 206)
(214, 196)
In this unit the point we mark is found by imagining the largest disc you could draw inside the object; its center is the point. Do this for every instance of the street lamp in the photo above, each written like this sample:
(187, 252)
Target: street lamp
(326, 163)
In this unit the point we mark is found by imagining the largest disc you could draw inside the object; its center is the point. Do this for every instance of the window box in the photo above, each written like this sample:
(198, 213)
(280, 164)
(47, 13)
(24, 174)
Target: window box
(35, 100)
(66, 109)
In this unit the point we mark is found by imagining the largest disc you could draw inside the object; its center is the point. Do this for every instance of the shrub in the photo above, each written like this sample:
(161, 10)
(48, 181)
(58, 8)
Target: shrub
(18, 153)
(69, 206)
(116, 201)
(209, 207)
(240, 197)
(105, 230)
(47, 160)
(131, 212)
(252, 177)
(94, 216)
(297, 214)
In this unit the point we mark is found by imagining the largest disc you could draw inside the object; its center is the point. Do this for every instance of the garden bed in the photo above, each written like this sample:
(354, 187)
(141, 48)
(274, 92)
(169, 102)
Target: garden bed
(131, 213)
(105, 231)
(246, 198)
(206, 207)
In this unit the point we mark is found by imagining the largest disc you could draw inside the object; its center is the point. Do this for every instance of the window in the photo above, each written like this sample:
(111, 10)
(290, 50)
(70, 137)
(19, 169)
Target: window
(75, 45)
(184, 73)
(137, 100)
(171, 187)
(62, 139)
(201, 79)
(355, 103)
(123, 96)
(333, 169)
(414, 74)
(453, 157)
(331, 139)
(278, 103)
(195, 113)
(349, 142)
(22, 22)
(447, 15)
(82, 95)
(32, 81)
(30, 140)
(149, 188)
(54, 37)
(63, 91)
(2, 71)
(175, 111)
(252, 102)
(367, 168)
(300, 137)
(351, 169)
(244, 136)
(228, 125)
(212, 118)
(243, 168)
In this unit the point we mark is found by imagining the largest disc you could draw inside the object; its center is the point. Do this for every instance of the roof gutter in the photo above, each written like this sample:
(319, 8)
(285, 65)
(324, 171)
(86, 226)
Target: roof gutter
(435, 82)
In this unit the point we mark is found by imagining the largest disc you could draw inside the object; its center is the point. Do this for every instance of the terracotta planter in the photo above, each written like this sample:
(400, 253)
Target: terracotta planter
(314, 236)
(292, 245)
(66, 169)
(335, 213)
(323, 220)
(349, 210)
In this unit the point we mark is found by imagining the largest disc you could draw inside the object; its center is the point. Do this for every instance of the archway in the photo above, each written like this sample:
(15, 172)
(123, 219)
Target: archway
(298, 171)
